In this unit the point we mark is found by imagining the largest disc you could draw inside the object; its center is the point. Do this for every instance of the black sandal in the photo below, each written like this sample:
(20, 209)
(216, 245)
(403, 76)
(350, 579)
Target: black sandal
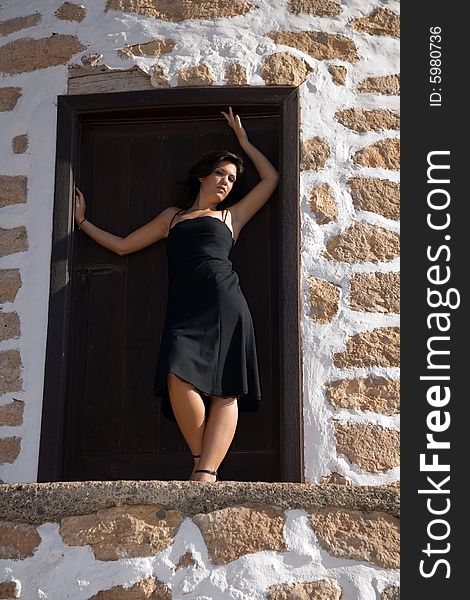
(206, 471)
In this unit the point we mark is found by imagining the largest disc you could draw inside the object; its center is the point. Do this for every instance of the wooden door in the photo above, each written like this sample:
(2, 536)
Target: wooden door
(130, 169)
(129, 152)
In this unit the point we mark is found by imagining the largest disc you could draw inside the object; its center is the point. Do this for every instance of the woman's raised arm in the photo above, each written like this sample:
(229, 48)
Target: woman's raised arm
(243, 210)
(148, 234)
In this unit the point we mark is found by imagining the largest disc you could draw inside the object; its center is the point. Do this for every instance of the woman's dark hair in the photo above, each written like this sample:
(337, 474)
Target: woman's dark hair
(206, 166)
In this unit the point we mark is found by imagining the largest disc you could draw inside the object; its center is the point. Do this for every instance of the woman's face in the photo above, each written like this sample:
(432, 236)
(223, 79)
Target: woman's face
(221, 180)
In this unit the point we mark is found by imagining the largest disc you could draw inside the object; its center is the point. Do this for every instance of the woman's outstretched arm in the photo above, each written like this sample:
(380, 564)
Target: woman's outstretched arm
(245, 208)
(151, 232)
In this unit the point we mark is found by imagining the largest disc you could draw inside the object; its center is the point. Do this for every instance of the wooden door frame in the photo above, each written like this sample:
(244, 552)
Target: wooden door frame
(69, 111)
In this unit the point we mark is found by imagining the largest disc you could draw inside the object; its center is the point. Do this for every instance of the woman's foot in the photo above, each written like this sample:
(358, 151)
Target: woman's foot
(205, 475)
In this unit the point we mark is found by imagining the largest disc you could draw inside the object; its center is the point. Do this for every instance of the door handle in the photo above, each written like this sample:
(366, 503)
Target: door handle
(84, 273)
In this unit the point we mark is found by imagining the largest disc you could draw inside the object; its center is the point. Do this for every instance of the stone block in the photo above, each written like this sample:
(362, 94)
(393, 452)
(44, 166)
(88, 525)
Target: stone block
(201, 75)
(373, 537)
(384, 154)
(378, 347)
(323, 300)
(9, 96)
(338, 74)
(10, 371)
(19, 540)
(19, 143)
(231, 533)
(10, 283)
(13, 189)
(182, 11)
(19, 23)
(375, 394)
(13, 240)
(373, 448)
(319, 590)
(381, 21)
(314, 153)
(11, 414)
(386, 84)
(27, 54)
(380, 196)
(323, 204)
(316, 8)
(375, 292)
(235, 74)
(147, 589)
(318, 44)
(123, 531)
(361, 120)
(282, 68)
(362, 242)
(9, 326)
(68, 11)
(10, 448)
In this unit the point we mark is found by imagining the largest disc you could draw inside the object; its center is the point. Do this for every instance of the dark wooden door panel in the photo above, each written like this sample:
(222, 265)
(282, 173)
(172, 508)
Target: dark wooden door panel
(133, 171)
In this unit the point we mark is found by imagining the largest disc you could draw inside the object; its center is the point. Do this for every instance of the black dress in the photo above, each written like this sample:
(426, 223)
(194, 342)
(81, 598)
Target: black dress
(208, 339)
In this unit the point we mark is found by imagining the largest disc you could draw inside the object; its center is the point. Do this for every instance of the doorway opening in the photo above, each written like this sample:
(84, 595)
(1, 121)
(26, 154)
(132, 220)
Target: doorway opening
(124, 151)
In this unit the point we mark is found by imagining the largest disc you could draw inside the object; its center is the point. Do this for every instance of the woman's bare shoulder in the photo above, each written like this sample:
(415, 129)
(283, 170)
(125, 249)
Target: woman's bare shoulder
(171, 210)
(168, 213)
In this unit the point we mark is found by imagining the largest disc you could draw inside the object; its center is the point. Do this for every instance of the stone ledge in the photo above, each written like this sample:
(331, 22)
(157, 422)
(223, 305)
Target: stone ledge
(38, 503)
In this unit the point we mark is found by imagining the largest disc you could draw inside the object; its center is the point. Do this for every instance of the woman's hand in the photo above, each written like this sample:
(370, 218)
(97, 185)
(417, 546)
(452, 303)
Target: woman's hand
(236, 125)
(80, 206)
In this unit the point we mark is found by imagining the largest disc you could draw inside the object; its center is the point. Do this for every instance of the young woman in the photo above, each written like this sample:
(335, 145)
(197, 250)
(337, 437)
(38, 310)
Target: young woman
(207, 362)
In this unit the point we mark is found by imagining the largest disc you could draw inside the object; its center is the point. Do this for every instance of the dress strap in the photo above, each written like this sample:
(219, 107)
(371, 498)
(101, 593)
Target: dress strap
(176, 213)
(226, 211)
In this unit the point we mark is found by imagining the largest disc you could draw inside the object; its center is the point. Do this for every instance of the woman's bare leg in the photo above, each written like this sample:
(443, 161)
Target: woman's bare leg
(218, 435)
(189, 411)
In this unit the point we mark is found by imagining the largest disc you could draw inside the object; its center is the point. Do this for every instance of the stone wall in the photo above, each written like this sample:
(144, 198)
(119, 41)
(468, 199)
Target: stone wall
(163, 540)
(344, 58)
